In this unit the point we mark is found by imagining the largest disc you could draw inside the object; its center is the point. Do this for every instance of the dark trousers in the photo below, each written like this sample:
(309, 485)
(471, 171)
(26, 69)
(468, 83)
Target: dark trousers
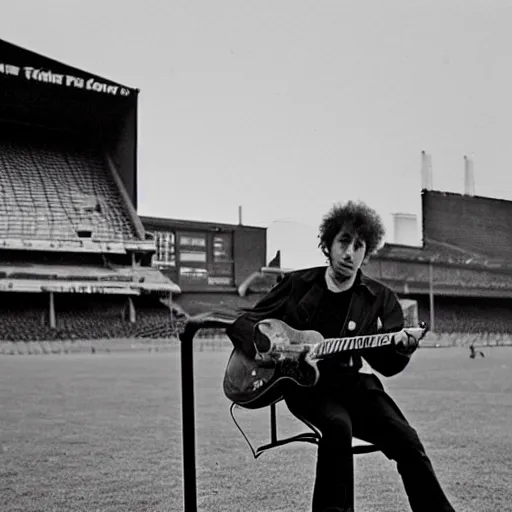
(358, 406)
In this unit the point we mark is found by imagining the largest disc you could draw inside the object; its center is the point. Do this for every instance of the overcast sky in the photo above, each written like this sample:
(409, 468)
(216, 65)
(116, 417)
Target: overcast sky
(286, 106)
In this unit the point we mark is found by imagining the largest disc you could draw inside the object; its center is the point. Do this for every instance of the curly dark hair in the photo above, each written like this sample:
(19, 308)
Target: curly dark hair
(356, 216)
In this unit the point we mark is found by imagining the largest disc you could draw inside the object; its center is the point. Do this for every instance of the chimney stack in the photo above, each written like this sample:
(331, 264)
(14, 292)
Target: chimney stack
(469, 178)
(426, 171)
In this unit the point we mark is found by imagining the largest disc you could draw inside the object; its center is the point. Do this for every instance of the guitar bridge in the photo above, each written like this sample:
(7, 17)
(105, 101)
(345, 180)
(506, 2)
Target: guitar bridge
(267, 363)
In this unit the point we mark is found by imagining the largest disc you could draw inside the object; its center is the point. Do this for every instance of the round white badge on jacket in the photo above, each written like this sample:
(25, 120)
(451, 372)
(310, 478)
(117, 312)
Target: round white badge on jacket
(351, 325)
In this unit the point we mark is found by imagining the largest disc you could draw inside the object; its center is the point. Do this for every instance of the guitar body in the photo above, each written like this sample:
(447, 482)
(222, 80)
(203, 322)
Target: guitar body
(282, 355)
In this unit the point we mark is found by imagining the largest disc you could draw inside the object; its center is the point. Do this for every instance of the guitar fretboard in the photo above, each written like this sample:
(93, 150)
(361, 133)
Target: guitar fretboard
(334, 345)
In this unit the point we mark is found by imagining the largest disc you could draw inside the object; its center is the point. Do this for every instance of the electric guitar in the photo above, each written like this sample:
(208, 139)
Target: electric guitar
(284, 353)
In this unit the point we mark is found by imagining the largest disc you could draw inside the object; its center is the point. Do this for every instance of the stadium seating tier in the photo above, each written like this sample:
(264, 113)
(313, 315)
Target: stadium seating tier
(55, 189)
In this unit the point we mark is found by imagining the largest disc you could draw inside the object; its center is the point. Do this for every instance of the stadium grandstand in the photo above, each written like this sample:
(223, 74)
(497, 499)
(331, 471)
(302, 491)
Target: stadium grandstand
(75, 260)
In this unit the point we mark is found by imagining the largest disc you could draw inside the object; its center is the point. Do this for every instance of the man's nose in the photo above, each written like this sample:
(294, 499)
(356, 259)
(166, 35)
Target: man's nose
(349, 251)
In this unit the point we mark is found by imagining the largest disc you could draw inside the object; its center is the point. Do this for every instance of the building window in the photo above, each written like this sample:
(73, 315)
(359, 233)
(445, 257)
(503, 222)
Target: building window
(193, 241)
(193, 248)
(194, 275)
(222, 248)
(165, 255)
(222, 259)
(193, 258)
(205, 258)
(220, 281)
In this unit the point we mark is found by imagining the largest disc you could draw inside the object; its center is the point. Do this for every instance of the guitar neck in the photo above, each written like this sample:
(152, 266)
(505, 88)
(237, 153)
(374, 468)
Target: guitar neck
(332, 346)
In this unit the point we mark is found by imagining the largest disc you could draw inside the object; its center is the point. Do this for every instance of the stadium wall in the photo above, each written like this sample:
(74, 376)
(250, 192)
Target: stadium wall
(122, 147)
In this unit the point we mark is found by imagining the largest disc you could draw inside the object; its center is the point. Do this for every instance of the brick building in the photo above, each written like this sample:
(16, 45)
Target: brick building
(208, 261)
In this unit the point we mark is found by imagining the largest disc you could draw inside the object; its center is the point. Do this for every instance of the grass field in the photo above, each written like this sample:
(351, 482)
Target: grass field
(102, 432)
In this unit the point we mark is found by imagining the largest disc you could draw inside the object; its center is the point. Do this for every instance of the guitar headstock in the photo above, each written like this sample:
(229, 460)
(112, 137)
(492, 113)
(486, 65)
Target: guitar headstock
(422, 329)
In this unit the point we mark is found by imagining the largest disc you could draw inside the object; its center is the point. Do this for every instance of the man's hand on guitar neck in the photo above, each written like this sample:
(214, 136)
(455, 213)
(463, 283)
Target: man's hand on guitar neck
(406, 343)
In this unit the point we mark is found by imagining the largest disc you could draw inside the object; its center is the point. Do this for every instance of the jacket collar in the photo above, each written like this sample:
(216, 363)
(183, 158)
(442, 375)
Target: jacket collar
(362, 280)
(367, 282)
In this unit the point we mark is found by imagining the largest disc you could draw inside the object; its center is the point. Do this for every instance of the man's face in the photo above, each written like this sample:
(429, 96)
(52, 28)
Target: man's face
(347, 254)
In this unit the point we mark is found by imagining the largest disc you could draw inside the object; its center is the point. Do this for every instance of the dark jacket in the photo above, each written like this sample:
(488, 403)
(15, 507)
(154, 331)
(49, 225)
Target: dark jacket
(295, 298)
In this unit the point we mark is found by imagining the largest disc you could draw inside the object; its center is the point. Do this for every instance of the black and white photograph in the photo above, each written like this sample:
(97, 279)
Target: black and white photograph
(255, 256)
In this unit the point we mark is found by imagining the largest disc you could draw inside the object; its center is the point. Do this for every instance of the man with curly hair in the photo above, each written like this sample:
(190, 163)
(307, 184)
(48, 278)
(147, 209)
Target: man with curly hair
(349, 399)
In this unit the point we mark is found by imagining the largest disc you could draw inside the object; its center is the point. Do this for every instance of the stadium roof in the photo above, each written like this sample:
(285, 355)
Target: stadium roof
(466, 197)
(163, 223)
(432, 250)
(17, 63)
(440, 253)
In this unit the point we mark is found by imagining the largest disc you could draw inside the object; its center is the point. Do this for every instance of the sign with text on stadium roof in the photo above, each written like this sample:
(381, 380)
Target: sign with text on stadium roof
(49, 77)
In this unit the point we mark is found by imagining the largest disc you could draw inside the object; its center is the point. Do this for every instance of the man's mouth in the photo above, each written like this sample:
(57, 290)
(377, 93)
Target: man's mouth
(345, 266)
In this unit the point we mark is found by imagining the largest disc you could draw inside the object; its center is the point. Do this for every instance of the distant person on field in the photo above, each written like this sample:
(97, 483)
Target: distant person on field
(473, 353)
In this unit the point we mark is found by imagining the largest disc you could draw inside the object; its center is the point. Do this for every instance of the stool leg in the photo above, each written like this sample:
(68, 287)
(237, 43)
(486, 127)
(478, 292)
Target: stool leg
(188, 425)
(273, 423)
